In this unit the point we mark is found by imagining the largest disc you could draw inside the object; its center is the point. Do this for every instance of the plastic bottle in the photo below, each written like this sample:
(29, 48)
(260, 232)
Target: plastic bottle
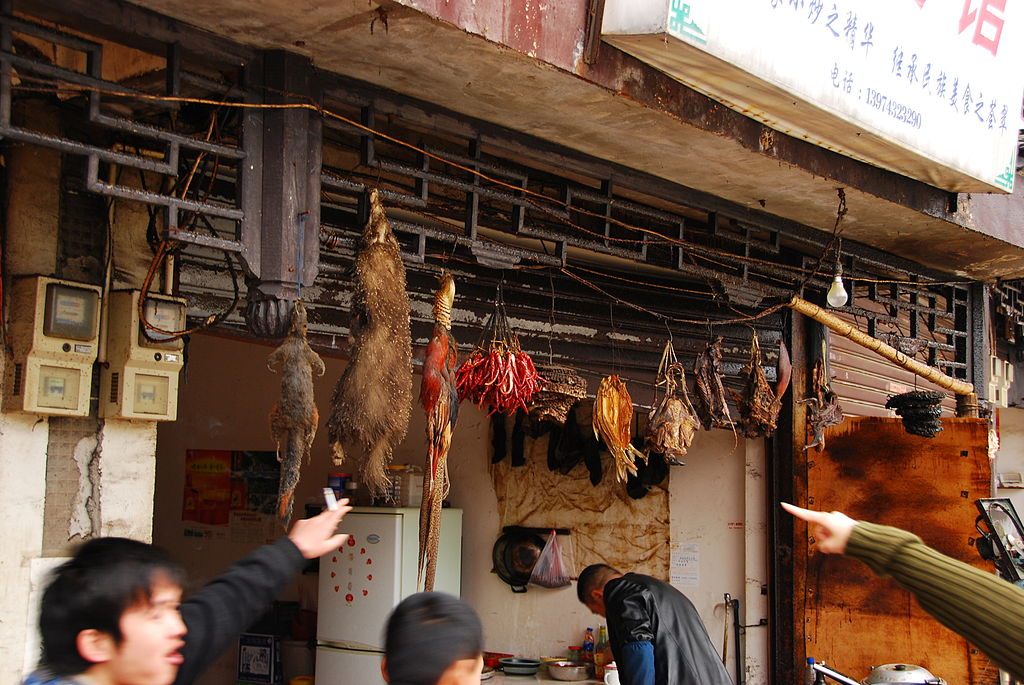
(809, 672)
(588, 646)
(601, 656)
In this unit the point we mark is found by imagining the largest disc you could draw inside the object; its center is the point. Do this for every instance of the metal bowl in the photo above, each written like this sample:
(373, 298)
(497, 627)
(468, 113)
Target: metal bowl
(568, 670)
(515, 665)
(907, 674)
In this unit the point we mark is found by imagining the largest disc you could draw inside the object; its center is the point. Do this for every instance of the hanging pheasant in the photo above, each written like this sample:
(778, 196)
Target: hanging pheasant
(295, 414)
(373, 398)
(440, 401)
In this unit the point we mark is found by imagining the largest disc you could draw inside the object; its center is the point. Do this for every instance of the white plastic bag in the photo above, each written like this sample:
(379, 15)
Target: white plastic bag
(550, 570)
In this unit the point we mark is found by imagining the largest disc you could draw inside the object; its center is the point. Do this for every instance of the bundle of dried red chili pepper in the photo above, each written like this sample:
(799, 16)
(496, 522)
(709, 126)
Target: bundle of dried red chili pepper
(498, 373)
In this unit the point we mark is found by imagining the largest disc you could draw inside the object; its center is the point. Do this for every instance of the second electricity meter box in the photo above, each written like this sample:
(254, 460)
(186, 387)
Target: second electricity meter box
(140, 378)
(54, 333)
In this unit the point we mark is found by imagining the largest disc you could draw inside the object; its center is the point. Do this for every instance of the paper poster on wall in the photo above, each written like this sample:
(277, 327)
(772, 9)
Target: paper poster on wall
(229, 489)
(684, 566)
(207, 495)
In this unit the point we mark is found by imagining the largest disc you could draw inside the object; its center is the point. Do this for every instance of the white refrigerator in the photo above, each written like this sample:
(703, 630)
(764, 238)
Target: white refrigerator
(361, 582)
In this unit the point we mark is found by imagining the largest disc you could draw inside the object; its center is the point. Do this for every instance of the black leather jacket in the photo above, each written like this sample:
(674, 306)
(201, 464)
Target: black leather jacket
(640, 608)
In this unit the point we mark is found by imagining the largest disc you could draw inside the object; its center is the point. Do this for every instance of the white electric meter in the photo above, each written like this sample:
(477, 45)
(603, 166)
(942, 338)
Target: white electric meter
(140, 378)
(54, 333)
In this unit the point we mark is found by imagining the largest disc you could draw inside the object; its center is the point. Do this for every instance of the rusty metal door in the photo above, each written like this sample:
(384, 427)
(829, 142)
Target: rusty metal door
(873, 470)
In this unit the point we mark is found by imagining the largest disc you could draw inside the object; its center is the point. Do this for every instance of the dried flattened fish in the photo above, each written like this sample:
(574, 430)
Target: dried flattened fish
(613, 418)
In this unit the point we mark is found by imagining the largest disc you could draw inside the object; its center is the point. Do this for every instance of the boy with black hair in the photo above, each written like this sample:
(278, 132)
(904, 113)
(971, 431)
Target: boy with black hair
(433, 638)
(113, 615)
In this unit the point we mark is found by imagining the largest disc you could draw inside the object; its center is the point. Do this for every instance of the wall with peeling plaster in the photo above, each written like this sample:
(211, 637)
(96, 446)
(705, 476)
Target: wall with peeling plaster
(61, 479)
(716, 501)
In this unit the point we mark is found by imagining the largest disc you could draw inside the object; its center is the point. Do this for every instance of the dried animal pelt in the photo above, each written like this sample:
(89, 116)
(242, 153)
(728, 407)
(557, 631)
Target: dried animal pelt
(613, 419)
(711, 405)
(672, 422)
(373, 398)
(295, 417)
(759, 404)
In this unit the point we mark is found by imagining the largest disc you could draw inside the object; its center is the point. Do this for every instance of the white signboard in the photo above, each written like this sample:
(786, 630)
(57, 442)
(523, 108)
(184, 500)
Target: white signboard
(928, 88)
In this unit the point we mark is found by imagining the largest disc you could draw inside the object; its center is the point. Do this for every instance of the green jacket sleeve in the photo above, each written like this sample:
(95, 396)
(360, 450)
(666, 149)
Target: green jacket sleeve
(983, 608)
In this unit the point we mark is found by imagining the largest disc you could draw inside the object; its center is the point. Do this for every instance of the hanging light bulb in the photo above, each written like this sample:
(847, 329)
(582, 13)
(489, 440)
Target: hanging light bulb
(837, 295)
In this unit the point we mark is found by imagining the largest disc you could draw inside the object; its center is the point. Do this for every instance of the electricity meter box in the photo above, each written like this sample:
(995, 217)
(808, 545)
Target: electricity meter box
(54, 333)
(140, 378)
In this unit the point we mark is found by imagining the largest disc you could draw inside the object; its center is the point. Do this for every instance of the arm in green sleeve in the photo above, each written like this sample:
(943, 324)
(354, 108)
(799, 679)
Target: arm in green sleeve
(983, 608)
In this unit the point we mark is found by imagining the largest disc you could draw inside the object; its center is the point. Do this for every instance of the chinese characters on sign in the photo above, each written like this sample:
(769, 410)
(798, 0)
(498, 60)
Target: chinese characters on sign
(930, 89)
(915, 79)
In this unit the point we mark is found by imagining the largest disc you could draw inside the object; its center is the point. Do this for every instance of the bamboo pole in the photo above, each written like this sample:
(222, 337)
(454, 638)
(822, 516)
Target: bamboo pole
(847, 330)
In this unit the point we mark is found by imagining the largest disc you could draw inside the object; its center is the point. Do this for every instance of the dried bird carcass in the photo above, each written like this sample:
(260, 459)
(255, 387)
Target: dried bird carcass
(824, 406)
(712, 408)
(613, 419)
(759, 404)
(673, 421)
(440, 401)
(295, 415)
(373, 398)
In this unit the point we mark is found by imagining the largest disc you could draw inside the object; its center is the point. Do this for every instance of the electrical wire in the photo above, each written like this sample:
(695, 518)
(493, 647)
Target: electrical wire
(546, 208)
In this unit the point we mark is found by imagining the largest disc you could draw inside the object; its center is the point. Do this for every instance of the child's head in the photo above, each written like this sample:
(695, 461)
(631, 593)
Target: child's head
(433, 639)
(112, 609)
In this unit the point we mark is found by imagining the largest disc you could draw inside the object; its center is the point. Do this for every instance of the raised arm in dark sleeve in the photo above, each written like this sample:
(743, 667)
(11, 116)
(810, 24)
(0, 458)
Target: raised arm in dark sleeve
(220, 611)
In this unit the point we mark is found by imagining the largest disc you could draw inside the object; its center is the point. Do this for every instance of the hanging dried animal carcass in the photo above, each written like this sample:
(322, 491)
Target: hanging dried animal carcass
(711, 405)
(613, 419)
(440, 402)
(498, 373)
(373, 398)
(673, 421)
(824, 406)
(295, 415)
(560, 389)
(759, 405)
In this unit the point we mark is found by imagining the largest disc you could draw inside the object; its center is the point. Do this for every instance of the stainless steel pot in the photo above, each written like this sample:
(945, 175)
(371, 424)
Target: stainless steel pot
(901, 673)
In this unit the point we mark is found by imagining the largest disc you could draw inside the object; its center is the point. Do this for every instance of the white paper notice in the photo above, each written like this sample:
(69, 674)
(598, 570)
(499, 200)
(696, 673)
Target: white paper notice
(684, 568)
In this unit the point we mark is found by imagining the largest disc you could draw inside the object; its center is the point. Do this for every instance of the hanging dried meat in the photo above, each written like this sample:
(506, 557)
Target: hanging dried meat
(920, 411)
(712, 408)
(759, 404)
(823, 406)
(673, 421)
(613, 419)
(295, 417)
(440, 402)
(373, 398)
(560, 389)
(498, 373)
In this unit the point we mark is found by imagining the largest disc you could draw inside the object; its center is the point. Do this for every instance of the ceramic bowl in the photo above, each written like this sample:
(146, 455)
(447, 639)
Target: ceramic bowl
(516, 665)
(491, 659)
(568, 670)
